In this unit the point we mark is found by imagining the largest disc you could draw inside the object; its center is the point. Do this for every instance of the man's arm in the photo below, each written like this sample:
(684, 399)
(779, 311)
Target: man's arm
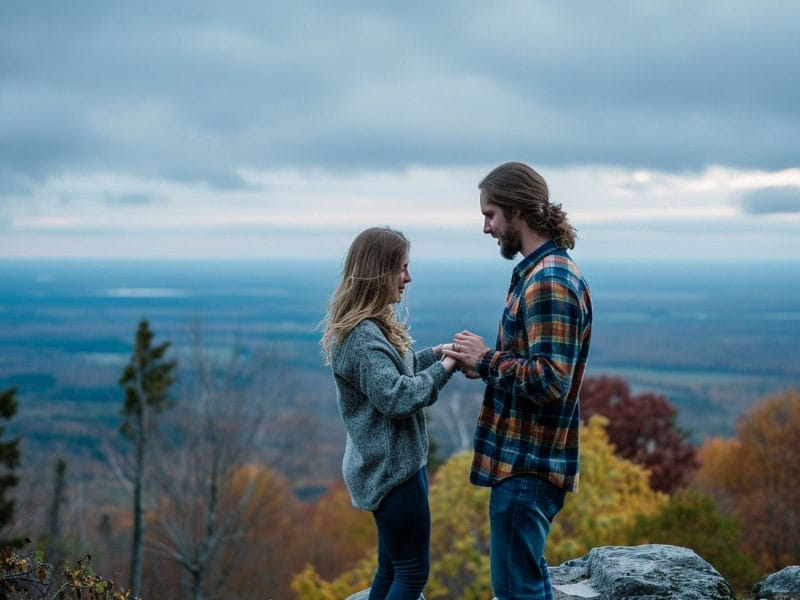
(542, 368)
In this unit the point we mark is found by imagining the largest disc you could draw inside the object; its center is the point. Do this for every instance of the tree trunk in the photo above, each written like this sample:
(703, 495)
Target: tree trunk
(137, 544)
(54, 528)
(197, 585)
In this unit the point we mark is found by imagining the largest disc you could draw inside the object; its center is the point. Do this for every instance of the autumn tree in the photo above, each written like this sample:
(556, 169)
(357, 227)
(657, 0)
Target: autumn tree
(756, 475)
(208, 504)
(613, 493)
(254, 559)
(146, 380)
(9, 457)
(459, 534)
(309, 585)
(336, 532)
(643, 430)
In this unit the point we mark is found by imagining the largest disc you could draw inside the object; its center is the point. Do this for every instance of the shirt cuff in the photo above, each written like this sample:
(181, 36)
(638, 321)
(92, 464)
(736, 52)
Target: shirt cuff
(484, 366)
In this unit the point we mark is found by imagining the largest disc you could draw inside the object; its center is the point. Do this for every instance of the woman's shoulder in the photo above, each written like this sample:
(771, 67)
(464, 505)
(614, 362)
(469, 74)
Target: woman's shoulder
(358, 343)
(366, 330)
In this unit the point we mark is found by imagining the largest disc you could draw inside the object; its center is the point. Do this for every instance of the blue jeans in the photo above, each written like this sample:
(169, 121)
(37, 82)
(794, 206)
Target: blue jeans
(521, 509)
(403, 520)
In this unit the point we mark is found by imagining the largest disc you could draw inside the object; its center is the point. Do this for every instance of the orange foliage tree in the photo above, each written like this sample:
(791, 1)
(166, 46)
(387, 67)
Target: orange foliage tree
(755, 476)
(337, 534)
(259, 528)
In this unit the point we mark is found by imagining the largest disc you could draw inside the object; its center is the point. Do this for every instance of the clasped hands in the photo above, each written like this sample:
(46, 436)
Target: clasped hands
(467, 349)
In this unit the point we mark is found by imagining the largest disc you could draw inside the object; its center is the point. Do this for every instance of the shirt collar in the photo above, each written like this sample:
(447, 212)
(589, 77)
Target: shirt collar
(530, 261)
(534, 257)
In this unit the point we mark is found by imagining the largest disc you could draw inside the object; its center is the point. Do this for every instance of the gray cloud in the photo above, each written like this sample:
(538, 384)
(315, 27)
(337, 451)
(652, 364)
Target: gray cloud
(216, 179)
(201, 87)
(772, 200)
(131, 199)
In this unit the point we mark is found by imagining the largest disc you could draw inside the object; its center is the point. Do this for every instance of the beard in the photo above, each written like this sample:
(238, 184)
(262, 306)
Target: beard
(510, 242)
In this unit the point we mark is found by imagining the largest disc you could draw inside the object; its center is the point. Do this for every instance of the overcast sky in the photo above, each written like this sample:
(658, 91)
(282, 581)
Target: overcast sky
(667, 129)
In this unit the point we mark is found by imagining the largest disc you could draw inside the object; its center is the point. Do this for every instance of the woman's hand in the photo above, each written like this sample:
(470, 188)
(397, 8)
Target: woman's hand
(450, 364)
(437, 350)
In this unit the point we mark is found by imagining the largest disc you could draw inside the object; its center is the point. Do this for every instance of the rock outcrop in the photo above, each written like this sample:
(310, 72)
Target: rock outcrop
(652, 572)
(646, 572)
(783, 585)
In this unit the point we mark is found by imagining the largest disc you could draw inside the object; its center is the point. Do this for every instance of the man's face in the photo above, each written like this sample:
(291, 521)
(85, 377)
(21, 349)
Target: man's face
(504, 231)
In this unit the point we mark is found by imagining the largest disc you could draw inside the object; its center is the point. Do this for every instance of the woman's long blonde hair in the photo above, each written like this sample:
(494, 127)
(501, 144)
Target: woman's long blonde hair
(369, 276)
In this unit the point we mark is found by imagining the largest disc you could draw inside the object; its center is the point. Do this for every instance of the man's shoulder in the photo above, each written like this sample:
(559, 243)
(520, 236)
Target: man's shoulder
(556, 264)
(556, 270)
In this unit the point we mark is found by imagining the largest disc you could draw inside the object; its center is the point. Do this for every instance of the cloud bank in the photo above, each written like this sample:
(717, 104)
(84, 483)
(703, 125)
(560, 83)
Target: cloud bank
(197, 119)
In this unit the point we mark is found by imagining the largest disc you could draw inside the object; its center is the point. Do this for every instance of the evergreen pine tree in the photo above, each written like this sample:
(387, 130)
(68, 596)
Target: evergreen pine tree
(146, 380)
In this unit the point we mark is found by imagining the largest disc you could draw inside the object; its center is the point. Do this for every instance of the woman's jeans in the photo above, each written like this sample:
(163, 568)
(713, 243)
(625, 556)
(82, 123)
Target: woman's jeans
(403, 520)
(521, 509)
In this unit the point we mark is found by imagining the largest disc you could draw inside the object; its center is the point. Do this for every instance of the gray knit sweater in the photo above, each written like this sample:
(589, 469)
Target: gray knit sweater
(381, 396)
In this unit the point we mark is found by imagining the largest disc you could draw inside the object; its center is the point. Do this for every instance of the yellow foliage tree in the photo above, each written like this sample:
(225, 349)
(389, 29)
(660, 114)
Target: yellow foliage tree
(308, 585)
(613, 492)
(459, 534)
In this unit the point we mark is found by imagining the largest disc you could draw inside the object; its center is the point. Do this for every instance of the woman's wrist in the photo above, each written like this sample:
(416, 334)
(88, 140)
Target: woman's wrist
(450, 364)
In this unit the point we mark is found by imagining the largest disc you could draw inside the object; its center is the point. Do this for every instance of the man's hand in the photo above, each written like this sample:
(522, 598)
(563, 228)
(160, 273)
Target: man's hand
(467, 349)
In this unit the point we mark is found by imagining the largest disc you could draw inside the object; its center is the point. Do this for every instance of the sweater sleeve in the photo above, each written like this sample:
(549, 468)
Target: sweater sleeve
(424, 359)
(377, 370)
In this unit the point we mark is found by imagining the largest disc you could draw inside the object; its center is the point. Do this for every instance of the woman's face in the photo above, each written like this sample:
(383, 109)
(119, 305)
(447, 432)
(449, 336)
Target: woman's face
(399, 281)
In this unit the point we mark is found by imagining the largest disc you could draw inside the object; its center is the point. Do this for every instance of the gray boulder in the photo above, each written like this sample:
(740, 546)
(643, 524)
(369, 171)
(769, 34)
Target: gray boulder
(648, 572)
(783, 585)
(652, 572)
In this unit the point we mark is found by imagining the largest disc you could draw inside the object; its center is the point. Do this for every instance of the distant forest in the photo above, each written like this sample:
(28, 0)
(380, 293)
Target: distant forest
(693, 350)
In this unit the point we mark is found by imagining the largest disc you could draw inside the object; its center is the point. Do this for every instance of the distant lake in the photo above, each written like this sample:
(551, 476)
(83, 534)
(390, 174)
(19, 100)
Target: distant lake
(713, 338)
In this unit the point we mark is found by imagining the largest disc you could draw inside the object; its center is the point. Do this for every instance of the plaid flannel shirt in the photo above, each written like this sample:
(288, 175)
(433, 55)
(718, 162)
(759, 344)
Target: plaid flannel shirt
(530, 417)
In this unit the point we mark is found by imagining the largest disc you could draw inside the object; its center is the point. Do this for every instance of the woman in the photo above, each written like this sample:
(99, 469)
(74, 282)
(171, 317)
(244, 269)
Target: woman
(382, 387)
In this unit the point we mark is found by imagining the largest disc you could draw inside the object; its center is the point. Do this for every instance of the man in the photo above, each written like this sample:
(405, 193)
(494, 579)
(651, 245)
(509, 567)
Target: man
(526, 441)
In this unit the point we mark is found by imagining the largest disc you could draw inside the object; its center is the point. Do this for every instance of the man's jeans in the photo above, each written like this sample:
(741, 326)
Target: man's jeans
(403, 520)
(521, 509)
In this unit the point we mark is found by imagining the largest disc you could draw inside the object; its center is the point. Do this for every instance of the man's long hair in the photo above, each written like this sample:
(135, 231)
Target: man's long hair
(366, 289)
(516, 186)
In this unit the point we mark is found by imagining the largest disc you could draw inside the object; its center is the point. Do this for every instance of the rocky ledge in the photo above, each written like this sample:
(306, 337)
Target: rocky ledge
(652, 572)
